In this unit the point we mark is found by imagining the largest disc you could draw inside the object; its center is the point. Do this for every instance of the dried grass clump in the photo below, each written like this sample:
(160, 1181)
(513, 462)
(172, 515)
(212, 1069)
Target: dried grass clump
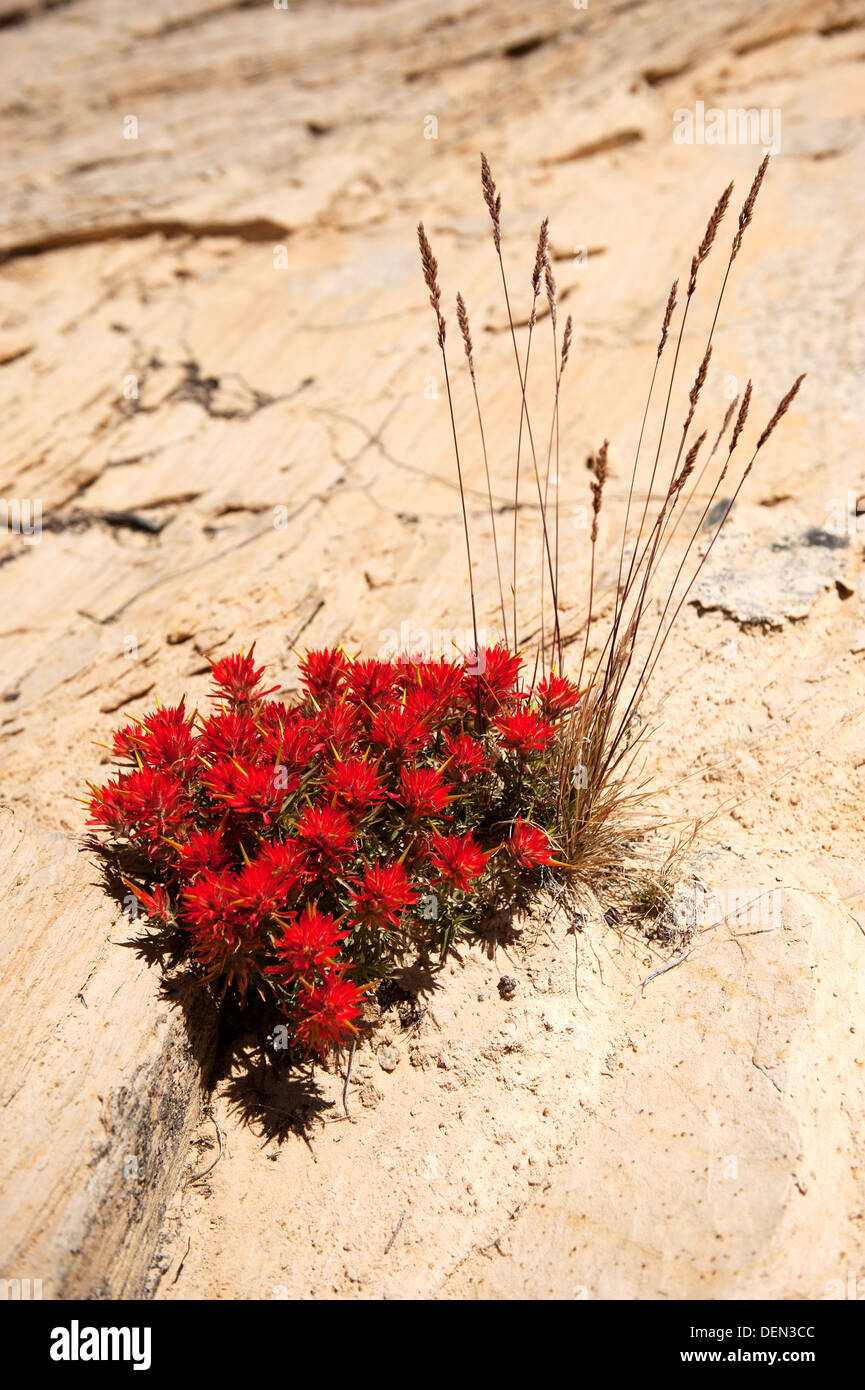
(599, 799)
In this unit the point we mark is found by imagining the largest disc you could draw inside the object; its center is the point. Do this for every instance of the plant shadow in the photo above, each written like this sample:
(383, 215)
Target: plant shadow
(243, 1048)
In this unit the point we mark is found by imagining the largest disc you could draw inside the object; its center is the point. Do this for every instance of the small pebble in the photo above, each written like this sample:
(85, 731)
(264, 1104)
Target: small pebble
(388, 1058)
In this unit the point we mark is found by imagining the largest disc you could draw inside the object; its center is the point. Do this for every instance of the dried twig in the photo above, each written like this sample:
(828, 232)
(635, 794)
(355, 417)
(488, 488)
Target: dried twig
(394, 1233)
(203, 1174)
(348, 1115)
(662, 970)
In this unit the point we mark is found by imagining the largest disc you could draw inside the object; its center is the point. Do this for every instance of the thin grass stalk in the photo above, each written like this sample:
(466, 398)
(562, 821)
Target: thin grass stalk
(430, 271)
(523, 410)
(668, 315)
(540, 263)
(551, 299)
(597, 498)
(558, 369)
(745, 218)
(643, 678)
(781, 410)
(696, 261)
(468, 544)
(618, 607)
(494, 204)
(683, 511)
(463, 320)
(653, 540)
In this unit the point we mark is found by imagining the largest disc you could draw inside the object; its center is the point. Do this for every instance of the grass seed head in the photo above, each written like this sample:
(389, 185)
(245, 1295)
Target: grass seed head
(493, 201)
(430, 274)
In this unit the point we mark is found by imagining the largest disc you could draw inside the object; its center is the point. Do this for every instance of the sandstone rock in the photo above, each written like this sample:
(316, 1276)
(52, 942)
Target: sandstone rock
(219, 381)
(768, 579)
(102, 1083)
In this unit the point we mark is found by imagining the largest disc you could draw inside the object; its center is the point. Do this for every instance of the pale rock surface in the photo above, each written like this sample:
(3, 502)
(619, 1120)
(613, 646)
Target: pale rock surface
(218, 379)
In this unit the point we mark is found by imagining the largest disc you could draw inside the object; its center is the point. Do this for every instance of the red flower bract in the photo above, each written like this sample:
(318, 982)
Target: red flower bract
(432, 689)
(262, 890)
(383, 894)
(556, 695)
(250, 790)
(289, 861)
(326, 1014)
(327, 834)
(336, 729)
(525, 732)
(205, 849)
(162, 739)
(457, 859)
(399, 731)
(530, 846)
(108, 806)
(148, 805)
(228, 733)
(286, 736)
(310, 942)
(422, 792)
(211, 901)
(157, 905)
(323, 672)
(369, 682)
(237, 679)
(499, 673)
(229, 953)
(465, 756)
(355, 785)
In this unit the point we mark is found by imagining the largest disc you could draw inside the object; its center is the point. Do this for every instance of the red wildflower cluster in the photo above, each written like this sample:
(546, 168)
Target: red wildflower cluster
(287, 850)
